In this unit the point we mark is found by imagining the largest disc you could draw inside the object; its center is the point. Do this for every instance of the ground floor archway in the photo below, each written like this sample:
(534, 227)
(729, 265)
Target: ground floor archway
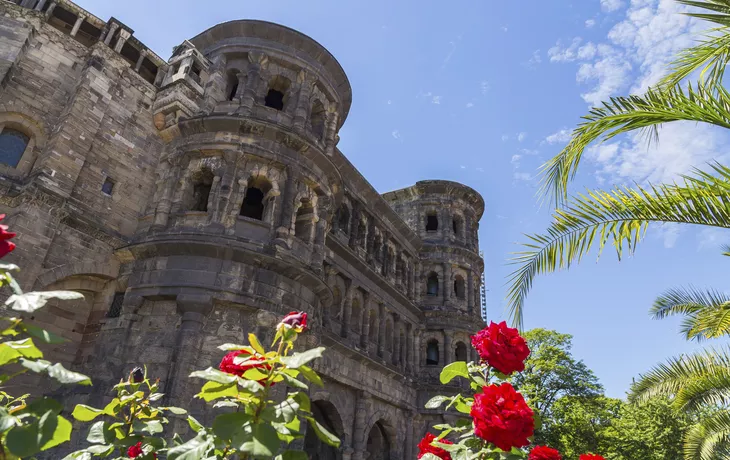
(326, 414)
(378, 446)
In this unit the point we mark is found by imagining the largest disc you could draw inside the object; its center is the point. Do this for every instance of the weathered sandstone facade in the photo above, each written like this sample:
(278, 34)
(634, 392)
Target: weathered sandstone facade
(196, 200)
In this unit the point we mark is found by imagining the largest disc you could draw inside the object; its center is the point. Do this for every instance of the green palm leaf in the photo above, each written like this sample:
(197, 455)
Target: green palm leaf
(700, 103)
(721, 9)
(711, 56)
(709, 438)
(707, 312)
(621, 216)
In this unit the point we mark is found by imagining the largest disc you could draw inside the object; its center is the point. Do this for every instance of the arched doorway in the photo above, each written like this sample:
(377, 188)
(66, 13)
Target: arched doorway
(378, 443)
(326, 414)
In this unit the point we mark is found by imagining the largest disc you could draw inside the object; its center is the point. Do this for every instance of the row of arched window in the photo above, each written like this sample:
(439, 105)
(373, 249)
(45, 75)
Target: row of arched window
(433, 356)
(433, 286)
(432, 224)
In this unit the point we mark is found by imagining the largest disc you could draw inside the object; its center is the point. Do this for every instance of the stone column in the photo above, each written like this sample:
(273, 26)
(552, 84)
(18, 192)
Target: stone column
(381, 330)
(370, 242)
(123, 37)
(467, 229)
(448, 348)
(448, 286)
(168, 182)
(193, 310)
(26, 3)
(417, 284)
(470, 291)
(142, 54)
(347, 309)
(49, 11)
(79, 20)
(283, 226)
(360, 430)
(411, 434)
(301, 112)
(354, 224)
(39, 6)
(320, 233)
(396, 356)
(409, 348)
(109, 35)
(331, 132)
(160, 76)
(256, 62)
(416, 349)
(365, 323)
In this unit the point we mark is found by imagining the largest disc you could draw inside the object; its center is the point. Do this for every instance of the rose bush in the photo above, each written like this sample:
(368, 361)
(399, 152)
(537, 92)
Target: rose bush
(500, 423)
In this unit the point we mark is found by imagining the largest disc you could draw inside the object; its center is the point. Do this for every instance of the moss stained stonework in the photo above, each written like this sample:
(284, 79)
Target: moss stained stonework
(196, 200)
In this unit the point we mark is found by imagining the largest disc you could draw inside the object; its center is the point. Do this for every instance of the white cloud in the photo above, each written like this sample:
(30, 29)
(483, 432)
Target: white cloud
(711, 238)
(534, 60)
(522, 176)
(436, 100)
(516, 160)
(505, 137)
(480, 169)
(504, 28)
(669, 233)
(590, 23)
(561, 137)
(574, 52)
(469, 105)
(529, 151)
(389, 102)
(396, 135)
(611, 5)
(462, 167)
(521, 136)
(484, 87)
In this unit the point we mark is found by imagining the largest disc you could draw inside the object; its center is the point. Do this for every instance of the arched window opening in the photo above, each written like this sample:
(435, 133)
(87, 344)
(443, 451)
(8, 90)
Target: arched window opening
(432, 352)
(459, 287)
(402, 351)
(253, 202)
(232, 86)
(12, 146)
(343, 219)
(432, 223)
(432, 285)
(356, 314)
(336, 303)
(461, 352)
(304, 223)
(389, 336)
(362, 233)
(372, 326)
(456, 223)
(378, 248)
(202, 183)
(378, 445)
(317, 119)
(276, 97)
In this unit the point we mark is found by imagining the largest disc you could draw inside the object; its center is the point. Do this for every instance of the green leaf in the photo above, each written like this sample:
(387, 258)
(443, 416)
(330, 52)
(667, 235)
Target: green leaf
(228, 426)
(152, 427)
(311, 375)
(299, 359)
(194, 424)
(214, 375)
(255, 344)
(195, 449)
(32, 301)
(7, 421)
(233, 347)
(430, 457)
(323, 434)
(453, 370)
(294, 455)
(56, 371)
(437, 401)
(61, 433)
(84, 413)
(42, 334)
(175, 410)
(79, 455)
(264, 441)
(12, 350)
(213, 390)
(303, 400)
(42, 434)
(254, 374)
(292, 382)
(285, 411)
(99, 433)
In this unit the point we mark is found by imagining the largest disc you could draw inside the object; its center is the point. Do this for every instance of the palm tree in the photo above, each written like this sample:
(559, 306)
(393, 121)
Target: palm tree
(698, 382)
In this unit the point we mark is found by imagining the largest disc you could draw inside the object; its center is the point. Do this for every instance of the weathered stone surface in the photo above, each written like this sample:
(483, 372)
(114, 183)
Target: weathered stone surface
(195, 201)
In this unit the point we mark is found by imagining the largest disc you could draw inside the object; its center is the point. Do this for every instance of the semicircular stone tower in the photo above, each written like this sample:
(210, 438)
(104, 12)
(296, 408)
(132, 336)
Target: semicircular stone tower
(195, 200)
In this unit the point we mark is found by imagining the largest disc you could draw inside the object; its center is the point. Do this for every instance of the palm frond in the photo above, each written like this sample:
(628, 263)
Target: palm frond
(622, 216)
(626, 114)
(707, 312)
(711, 55)
(709, 438)
(721, 9)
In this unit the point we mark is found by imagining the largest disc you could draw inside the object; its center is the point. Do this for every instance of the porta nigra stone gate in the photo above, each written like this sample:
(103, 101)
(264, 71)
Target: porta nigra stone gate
(196, 200)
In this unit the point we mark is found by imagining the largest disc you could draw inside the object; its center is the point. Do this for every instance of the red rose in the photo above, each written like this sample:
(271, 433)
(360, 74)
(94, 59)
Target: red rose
(425, 447)
(228, 365)
(5, 245)
(544, 453)
(135, 451)
(297, 320)
(501, 347)
(591, 457)
(501, 416)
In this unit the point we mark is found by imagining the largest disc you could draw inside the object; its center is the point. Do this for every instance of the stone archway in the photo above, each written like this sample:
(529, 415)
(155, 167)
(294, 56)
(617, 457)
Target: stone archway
(380, 441)
(326, 414)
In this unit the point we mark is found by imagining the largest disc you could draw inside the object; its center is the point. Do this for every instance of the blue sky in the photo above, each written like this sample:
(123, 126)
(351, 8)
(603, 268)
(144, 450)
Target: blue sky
(482, 92)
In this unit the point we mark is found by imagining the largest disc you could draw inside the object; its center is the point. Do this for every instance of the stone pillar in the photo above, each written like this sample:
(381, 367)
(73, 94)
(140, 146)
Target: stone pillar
(283, 225)
(256, 62)
(320, 233)
(331, 132)
(448, 286)
(123, 37)
(160, 76)
(49, 11)
(467, 230)
(417, 285)
(193, 310)
(168, 182)
(354, 224)
(142, 55)
(409, 348)
(347, 309)
(416, 350)
(26, 3)
(360, 430)
(39, 6)
(109, 35)
(470, 291)
(79, 20)
(370, 242)
(448, 348)
(381, 330)
(303, 108)
(411, 434)
(365, 323)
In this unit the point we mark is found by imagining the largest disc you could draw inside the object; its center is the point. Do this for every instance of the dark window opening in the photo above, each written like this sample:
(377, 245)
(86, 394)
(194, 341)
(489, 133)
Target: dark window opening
(233, 91)
(195, 72)
(457, 227)
(378, 248)
(461, 354)
(317, 118)
(12, 146)
(253, 204)
(304, 223)
(432, 223)
(115, 309)
(432, 285)
(275, 99)
(343, 219)
(432, 353)
(108, 186)
(202, 183)
(459, 287)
